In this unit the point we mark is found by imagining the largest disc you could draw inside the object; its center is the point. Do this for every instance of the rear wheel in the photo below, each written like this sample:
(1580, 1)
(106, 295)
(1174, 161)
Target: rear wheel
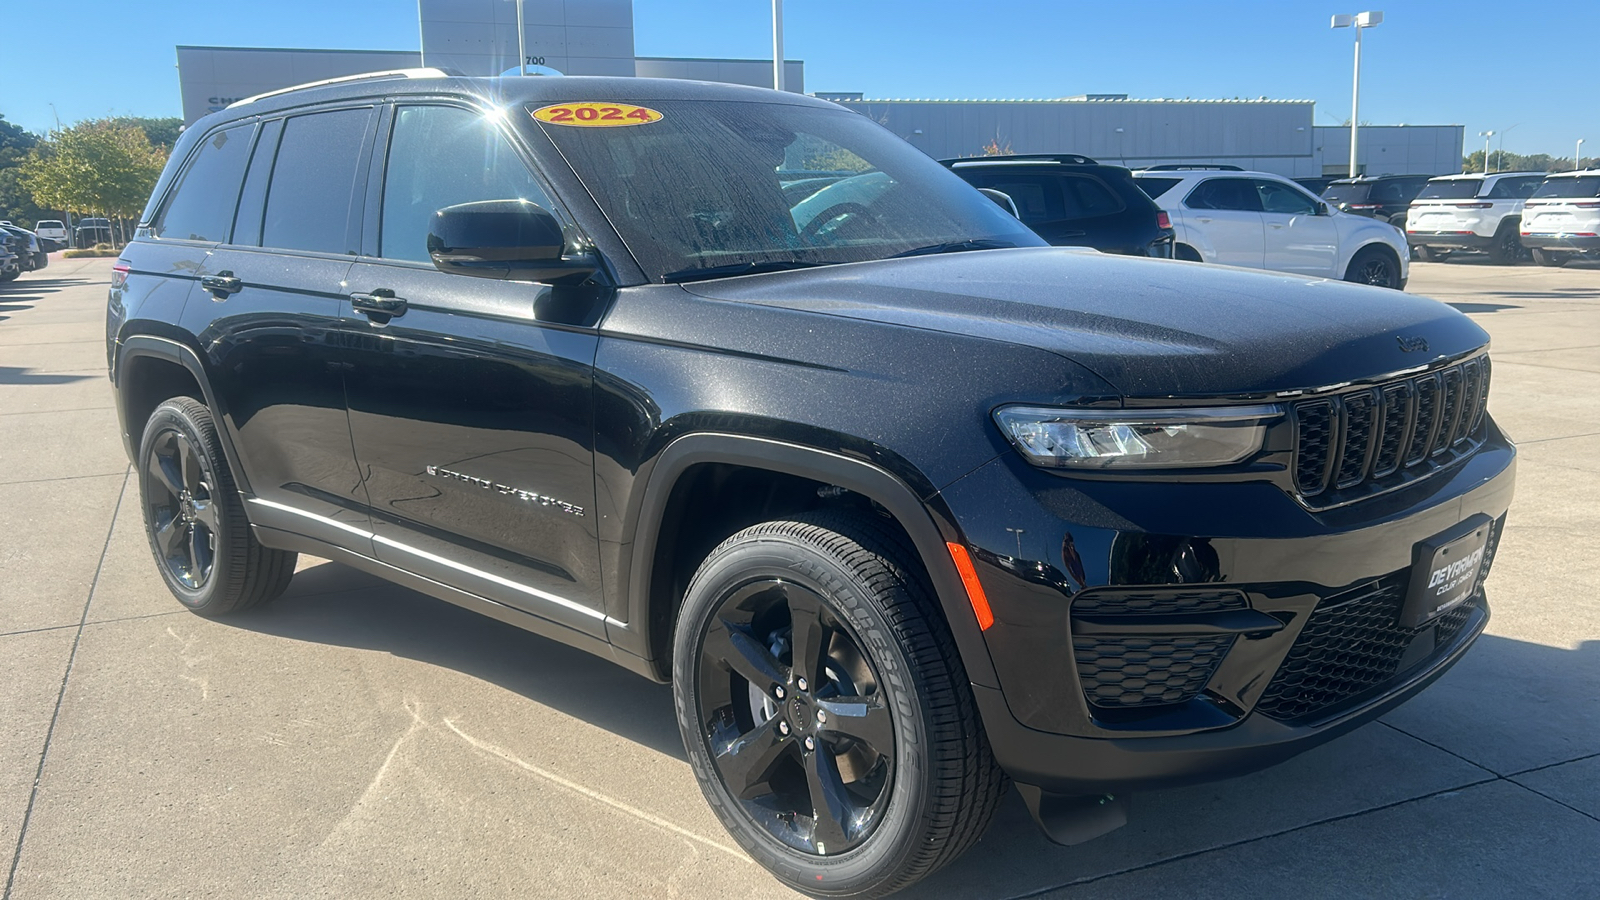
(825, 709)
(1507, 247)
(1374, 266)
(1186, 252)
(195, 520)
(1550, 258)
(1430, 254)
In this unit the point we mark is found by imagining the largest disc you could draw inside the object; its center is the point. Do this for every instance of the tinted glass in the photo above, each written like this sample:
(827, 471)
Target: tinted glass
(440, 156)
(252, 200)
(1277, 197)
(705, 186)
(1514, 188)
(1346, 193)
(1154, 186)
(1225, 193)
(1396, 191)
(1581, 186)
(201, 209)
(1453, 189)
(1086, 198)
(313, 180)
(1037, 195)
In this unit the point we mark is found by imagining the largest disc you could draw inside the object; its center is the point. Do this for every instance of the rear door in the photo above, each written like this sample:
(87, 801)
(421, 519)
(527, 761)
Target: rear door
(1226, 212)
(470, 402)
(268, 311)
(1297, 239)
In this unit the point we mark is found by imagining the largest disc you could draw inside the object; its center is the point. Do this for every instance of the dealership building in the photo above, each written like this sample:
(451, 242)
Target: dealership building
(595, 37)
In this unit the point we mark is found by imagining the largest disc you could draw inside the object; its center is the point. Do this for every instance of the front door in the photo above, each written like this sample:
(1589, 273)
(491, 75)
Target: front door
(1298, 239)
(470, 403)
(1225, 213)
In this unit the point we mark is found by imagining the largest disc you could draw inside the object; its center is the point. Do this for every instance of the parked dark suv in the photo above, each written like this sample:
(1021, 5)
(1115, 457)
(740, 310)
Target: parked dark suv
(899, 499)
(1385, 197)
(1073, 201)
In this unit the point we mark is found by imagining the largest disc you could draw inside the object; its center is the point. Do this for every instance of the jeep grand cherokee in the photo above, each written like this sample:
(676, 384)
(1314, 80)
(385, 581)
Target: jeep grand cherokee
(743, 392)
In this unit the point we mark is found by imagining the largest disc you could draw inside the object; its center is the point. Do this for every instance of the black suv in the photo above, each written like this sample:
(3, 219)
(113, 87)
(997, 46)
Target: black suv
(1073, 201)
(900, 500)
(1386, 197)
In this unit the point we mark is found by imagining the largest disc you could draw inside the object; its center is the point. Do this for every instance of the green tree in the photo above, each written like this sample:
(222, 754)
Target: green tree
(99, 166)
(162, 132)
(16, 204)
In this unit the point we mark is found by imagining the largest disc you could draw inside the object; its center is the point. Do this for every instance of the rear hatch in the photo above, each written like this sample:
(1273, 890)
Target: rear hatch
(1564, 205)
(1447, 205)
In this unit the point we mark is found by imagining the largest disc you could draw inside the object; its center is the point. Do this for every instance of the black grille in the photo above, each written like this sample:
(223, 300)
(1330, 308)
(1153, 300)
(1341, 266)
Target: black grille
(1126, 671)
(1354, 642)
(1363, 440)
(1155, 603)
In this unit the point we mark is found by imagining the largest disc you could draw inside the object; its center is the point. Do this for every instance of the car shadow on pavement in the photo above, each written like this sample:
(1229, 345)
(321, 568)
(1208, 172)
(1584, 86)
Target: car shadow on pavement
(27, 376)
(335, 604)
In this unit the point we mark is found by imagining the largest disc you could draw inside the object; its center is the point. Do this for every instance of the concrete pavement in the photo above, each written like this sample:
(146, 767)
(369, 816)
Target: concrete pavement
(356, 739)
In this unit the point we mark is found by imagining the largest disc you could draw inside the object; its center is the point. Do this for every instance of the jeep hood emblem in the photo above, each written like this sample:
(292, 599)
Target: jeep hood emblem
(1411, 344)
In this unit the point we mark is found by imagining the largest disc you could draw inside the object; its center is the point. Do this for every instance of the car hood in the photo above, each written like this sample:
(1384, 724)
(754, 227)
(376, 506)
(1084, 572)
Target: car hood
(1151, 328)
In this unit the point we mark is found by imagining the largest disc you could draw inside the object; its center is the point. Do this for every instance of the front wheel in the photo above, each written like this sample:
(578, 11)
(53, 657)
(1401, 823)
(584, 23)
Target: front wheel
(825, 709)
(1552, 258)
(1374, 266)
(1507, 247)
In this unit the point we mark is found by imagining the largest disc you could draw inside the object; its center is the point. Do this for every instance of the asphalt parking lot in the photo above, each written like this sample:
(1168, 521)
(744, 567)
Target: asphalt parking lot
(356, 739)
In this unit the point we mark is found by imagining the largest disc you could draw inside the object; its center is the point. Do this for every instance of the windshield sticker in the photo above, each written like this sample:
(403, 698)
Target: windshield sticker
(596, 115)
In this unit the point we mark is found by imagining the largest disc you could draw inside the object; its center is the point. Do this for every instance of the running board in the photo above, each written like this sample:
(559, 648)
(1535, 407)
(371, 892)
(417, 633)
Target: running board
(1069, 820)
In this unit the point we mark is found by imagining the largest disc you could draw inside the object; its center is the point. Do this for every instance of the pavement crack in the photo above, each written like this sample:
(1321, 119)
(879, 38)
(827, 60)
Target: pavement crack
(55, 715)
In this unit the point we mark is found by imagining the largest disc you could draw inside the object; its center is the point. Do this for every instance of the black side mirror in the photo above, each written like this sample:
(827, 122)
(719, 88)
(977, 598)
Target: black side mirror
(510, 240)
(1324, 210)
(1002, 200)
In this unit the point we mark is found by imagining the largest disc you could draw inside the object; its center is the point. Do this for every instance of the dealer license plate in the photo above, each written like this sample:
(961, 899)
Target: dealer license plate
(1445, 571)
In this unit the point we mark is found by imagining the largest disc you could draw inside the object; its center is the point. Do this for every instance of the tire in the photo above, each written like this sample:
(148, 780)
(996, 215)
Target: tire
(10, 275)
(1186, 253)
(923, 784)
(1374, 266)
(1552, 258)
(1430, 254)
(195, 521)
(1507, 248)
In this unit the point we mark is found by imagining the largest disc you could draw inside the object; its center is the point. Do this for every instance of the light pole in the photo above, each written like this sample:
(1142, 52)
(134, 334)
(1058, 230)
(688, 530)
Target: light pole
(1577, 156)
(522, 38)
(1358, 22)
(777, 44)
(1486, 135)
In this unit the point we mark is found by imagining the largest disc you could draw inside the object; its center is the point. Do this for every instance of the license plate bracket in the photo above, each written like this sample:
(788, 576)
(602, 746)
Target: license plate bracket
(1444, 571)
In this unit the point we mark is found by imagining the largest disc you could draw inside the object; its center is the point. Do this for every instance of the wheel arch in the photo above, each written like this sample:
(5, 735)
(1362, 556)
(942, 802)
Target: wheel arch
(652, 601)
(149, 369)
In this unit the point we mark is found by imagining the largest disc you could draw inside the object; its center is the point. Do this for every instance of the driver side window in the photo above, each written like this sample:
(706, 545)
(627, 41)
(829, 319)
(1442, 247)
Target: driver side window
(1280, 198)
(440, 156)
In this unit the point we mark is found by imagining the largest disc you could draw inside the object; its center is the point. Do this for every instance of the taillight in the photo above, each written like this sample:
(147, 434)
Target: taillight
(1165, 221)
(119, 274)
(1587, 205)
(1473, 205)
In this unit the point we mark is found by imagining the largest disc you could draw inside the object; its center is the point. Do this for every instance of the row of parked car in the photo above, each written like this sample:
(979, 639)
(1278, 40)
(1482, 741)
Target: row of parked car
(1224, 215)
(20, 251)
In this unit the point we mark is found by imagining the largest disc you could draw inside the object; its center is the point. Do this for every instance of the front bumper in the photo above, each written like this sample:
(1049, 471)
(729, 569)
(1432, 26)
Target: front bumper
(1171, 709)
(1451, 240)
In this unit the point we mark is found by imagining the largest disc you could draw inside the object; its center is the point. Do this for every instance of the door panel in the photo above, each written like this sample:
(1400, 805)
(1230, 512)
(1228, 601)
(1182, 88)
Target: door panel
(1297, 239)
(1226, 213)
(473, 424)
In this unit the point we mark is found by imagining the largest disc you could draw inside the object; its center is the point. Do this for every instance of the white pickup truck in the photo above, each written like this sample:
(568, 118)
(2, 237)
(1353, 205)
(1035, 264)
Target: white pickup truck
(52, 230)
(1471, 212)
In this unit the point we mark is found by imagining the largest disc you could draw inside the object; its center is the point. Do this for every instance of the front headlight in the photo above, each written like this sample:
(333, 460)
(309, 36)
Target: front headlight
(1136, 438)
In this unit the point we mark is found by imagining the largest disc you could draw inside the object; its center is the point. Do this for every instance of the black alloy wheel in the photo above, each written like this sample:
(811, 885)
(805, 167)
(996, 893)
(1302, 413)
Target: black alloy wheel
(1507, 248)
(1374, 267)
(791, 710)
(180, 505)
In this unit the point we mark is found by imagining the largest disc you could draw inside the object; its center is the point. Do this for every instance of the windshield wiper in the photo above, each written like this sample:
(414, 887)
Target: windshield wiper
(956, 247)
(744, 268)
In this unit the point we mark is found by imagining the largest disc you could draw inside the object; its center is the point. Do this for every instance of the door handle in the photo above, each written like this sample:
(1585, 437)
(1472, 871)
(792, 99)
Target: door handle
(380, 303)
(1202, 219)
(222, 284)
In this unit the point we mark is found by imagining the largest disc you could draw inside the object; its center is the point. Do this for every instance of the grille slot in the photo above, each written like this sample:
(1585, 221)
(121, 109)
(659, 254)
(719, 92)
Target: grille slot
(1155, 603)
(1363, 441)
(1353, 643)
(1125, 672)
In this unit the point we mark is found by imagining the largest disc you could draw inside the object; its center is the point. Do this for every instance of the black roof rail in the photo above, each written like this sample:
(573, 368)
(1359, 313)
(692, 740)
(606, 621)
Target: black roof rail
(1073, 159)
(1184, 167)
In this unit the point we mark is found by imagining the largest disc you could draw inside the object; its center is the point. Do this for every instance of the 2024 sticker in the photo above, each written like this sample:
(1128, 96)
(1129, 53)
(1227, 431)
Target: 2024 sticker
(596, 115)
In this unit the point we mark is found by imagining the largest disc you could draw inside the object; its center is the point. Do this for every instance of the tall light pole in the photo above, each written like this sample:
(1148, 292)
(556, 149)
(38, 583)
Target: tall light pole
(1486, 135)
(1577, 156)
(522, 47)
(1358, 22)
(777, 44)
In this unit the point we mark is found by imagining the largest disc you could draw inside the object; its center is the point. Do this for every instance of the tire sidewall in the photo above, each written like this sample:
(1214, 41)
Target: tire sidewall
(171, 417)
(894, 839)
(1359, 262)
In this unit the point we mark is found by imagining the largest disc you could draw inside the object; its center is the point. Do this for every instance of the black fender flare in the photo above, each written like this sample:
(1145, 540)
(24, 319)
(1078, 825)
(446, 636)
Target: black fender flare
(927, 524)
(172, 351)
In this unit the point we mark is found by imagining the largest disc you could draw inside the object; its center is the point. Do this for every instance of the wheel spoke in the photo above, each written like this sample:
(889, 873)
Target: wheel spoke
(169, 537)
(190, 465)
(205, 512)
(167, 471)
(747, 763)
(830, 804)
(810, 638)
(193, 548)
(740, 652)
(864, 718)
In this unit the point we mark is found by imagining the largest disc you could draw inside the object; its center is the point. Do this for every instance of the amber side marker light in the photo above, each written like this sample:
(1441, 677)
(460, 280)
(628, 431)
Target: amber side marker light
(969, 579)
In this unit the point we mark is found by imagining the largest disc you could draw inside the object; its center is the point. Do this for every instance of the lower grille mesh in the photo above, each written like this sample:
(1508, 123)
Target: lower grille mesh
(1126, 671)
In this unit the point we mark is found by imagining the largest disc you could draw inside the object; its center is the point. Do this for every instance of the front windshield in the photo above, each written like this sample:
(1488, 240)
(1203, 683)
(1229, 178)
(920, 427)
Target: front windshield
(724, 185)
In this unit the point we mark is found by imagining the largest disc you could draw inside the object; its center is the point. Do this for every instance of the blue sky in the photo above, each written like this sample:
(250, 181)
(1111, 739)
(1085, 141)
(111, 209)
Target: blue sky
(1469, 62)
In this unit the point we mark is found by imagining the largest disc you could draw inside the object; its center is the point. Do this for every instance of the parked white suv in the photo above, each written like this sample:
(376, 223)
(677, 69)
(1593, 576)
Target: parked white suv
(1471, 212)
(1258, 220)
(1562, 219)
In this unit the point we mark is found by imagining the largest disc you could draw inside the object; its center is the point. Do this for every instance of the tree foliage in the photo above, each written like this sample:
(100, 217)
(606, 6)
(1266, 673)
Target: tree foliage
(103, 166)
(1503, 161)
(162, 132)
(16, 204)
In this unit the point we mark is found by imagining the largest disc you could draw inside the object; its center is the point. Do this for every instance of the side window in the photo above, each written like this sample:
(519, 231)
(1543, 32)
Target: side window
(201, 208)
(313, 180)
(440, 156)
(253, 199)
(1038, 196)
(1280, 198)
(1087, 198)
(1225, 193)
(1389, 192)
(1514, 188)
